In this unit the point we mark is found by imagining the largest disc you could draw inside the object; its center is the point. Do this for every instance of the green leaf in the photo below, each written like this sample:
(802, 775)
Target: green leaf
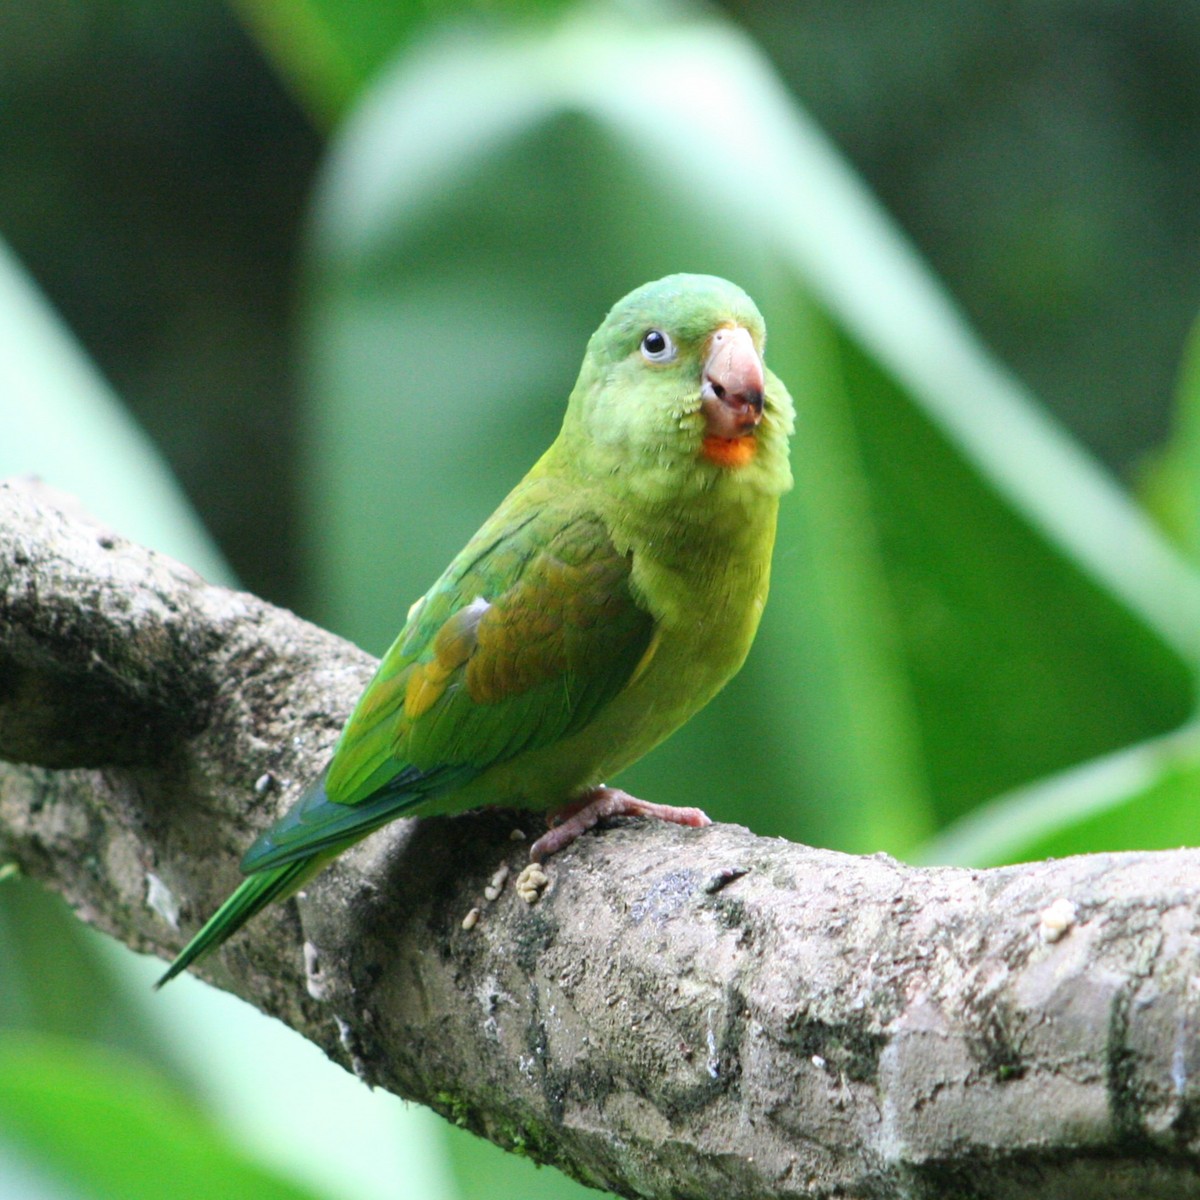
(1171, 484)
(102, 1122)
(327, 50)
(48, 961)
(962, 600)
(1140, 798)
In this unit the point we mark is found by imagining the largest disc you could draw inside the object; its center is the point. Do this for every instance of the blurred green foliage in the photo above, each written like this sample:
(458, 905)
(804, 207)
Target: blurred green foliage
(111, 1128)
(977, 649)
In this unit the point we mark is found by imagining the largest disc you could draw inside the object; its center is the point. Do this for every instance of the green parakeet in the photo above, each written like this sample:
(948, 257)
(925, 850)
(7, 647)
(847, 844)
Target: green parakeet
(610, 596)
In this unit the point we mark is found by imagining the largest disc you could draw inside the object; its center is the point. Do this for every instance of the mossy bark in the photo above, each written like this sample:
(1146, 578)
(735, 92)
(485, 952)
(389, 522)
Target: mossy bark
(684, 1013)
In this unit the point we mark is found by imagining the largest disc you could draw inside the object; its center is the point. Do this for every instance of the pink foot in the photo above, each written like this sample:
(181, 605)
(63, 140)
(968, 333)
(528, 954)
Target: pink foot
(568, 822)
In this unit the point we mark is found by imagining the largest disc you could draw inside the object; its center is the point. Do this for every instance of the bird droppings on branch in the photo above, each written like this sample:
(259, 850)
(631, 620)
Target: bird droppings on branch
(1056, 920)
(495, 885)
(531, 882)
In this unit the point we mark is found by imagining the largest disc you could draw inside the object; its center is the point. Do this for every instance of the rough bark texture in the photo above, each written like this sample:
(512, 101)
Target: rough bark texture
(683, 1013)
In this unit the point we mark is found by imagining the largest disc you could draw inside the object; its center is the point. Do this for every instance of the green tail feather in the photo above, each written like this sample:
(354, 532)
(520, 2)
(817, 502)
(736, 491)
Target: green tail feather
(251, 897)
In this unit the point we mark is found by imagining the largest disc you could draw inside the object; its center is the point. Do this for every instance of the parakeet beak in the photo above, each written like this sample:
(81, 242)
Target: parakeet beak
(731, 394)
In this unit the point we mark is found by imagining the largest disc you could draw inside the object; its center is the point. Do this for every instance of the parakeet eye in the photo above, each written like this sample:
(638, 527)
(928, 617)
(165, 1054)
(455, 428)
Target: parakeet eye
(657, 347)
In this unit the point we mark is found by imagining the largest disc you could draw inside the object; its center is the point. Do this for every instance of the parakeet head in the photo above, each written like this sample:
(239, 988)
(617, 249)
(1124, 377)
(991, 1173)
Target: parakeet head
(674, 395)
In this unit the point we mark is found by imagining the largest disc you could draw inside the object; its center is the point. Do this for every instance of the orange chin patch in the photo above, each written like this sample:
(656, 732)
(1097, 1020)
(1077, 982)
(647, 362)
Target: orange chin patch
(729, 452)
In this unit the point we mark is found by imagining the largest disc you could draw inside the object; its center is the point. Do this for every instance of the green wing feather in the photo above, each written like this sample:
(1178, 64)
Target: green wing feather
(524, 638)
(528, 634)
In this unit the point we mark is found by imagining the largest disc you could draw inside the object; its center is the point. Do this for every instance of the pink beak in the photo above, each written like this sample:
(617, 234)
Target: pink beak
(731, 395)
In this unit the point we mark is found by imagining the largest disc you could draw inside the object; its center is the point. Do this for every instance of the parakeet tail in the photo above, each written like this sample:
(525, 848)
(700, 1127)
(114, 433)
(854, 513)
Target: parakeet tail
(303, 841)
(251, 897)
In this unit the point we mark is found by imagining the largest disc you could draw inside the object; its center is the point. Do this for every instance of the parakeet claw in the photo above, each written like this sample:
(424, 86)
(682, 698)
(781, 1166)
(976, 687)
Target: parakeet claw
(573, 819)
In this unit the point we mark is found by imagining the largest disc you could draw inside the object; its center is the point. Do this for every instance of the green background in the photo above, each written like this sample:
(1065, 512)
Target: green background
(295, 290)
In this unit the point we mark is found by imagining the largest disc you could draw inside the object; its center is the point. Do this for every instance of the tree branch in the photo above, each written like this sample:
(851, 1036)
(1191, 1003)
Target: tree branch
(683, 1013)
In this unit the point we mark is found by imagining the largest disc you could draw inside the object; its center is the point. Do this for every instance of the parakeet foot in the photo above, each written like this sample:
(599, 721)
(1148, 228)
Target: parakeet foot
(579, 816)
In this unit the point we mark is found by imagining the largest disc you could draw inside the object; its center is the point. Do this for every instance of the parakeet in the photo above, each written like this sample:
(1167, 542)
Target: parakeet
(610, 596)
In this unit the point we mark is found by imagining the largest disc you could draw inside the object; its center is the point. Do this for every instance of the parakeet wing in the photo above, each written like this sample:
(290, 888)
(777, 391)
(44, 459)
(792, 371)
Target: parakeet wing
(527, 635)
